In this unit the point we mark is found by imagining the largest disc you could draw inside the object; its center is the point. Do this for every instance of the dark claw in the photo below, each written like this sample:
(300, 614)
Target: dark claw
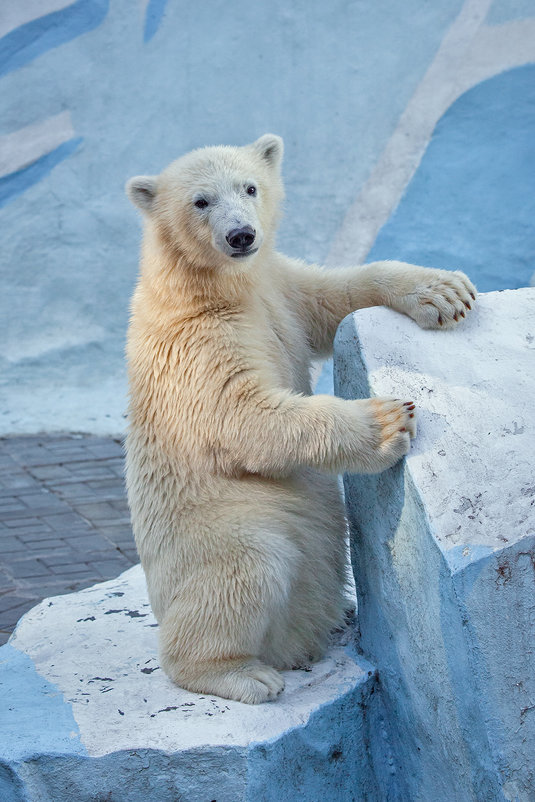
(411, 415)
(473, 296)
(462, 314)
(402, 430)
(467, 305)
(439, 321)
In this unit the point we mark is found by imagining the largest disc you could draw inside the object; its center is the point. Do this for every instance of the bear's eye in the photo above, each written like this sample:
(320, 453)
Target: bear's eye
(251, 190)
(202, 203)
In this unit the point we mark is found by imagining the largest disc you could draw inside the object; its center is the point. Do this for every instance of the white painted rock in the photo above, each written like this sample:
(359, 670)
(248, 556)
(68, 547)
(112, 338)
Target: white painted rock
(444, 545)
(91, 713)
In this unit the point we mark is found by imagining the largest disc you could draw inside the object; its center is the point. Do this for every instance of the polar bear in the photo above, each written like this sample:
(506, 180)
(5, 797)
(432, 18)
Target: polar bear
(231, 461)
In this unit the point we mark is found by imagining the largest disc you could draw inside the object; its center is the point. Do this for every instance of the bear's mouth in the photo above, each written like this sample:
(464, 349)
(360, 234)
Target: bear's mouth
(241, 254)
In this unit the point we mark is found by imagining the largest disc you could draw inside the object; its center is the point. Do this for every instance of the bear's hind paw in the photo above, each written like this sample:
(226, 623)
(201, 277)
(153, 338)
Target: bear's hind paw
(258, 683)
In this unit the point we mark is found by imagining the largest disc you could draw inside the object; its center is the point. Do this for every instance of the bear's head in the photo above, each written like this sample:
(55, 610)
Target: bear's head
(218, 205)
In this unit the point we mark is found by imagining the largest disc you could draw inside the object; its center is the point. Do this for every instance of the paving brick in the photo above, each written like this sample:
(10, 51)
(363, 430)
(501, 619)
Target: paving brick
(59, 585)
(25, 568)
(6, 463)
(71, 569)
(113, 485)
(65, 521)
(18, 482)
(13, 615)
(43, 501)
(106, 449)
(53, 552)
(108, 569)
(74, 490)
(97, 511)
(6, 583)
(132, 555)
(122, 543)
(26, 524)
(48, 472)
(116, 464)
(10, 506)
(33, 534)
(121, 505)
(91, 542)
(13, 601)
(59, 442)
(34, 456)
(9, 543)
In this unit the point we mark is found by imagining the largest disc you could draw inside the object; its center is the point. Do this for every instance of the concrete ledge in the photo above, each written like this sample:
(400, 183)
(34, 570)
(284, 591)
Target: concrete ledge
(444, 546)
(92, 716)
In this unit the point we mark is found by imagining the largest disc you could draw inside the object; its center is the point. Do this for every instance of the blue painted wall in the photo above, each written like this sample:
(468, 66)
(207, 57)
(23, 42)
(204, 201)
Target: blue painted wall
(508, 10)
(471, 204)
(145, 83)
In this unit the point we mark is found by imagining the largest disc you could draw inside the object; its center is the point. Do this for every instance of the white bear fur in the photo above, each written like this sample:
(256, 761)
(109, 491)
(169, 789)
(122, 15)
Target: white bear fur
(231, 461)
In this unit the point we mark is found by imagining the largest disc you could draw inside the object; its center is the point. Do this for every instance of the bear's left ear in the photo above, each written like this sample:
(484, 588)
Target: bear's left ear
(270, 147)
(142, 191)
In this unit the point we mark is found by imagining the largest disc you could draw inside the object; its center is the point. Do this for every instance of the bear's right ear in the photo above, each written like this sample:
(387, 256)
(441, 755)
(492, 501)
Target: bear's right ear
(142, 191)
(271, 148)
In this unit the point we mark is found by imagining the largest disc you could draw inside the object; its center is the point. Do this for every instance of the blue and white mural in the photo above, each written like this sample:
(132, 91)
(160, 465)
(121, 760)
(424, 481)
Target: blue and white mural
(95, 91)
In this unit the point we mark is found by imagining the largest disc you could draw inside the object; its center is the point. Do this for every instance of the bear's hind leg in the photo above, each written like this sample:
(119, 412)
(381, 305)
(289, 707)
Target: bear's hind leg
(212, 633)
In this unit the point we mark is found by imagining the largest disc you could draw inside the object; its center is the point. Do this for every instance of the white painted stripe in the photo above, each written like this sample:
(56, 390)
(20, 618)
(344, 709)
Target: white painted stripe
(14, 13)
(25, 146)
(469, 54)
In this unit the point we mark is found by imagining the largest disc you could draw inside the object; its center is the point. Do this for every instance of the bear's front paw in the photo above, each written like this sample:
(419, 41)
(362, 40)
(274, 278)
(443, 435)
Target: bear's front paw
(439, 299)
(396, 425)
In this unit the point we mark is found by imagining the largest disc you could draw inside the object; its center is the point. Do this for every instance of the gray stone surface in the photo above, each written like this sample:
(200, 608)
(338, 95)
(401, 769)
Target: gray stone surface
(443, 546)
(64, 521)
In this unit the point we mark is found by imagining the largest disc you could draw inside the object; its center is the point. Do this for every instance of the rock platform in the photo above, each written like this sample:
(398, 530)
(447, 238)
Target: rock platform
(91, 716)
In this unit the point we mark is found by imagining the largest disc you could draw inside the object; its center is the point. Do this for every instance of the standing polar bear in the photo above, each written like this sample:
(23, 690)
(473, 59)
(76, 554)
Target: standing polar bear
(231, 462)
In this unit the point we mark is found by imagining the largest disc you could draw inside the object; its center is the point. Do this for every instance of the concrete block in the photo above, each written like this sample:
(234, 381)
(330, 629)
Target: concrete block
(443, 546)
(90, 715)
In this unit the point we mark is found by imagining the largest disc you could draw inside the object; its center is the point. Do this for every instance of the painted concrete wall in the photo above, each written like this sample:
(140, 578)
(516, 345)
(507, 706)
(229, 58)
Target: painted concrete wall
(94, 91)
(443, 546)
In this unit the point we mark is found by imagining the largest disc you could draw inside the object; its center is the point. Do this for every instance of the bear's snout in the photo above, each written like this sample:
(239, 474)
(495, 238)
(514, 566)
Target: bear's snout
(241, 239)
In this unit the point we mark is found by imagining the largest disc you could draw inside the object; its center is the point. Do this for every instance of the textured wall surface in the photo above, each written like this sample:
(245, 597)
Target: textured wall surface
(444, 546)
(95, 91)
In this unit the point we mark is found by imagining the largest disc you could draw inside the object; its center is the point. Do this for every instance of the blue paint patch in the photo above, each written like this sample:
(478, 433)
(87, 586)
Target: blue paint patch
(471, 204)
(34, 38)
(507, 10)
(15, 184)
(153, 17)
(35, 718)
(460, 557)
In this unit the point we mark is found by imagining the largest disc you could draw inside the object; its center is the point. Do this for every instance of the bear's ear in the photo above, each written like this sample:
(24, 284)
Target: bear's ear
(142, 191)
(270, 147)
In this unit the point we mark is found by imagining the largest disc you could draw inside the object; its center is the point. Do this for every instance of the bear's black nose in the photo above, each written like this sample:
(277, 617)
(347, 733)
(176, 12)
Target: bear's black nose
(241, 238)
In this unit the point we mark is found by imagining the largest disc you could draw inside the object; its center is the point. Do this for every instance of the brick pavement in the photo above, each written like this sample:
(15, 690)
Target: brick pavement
(64, 521)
